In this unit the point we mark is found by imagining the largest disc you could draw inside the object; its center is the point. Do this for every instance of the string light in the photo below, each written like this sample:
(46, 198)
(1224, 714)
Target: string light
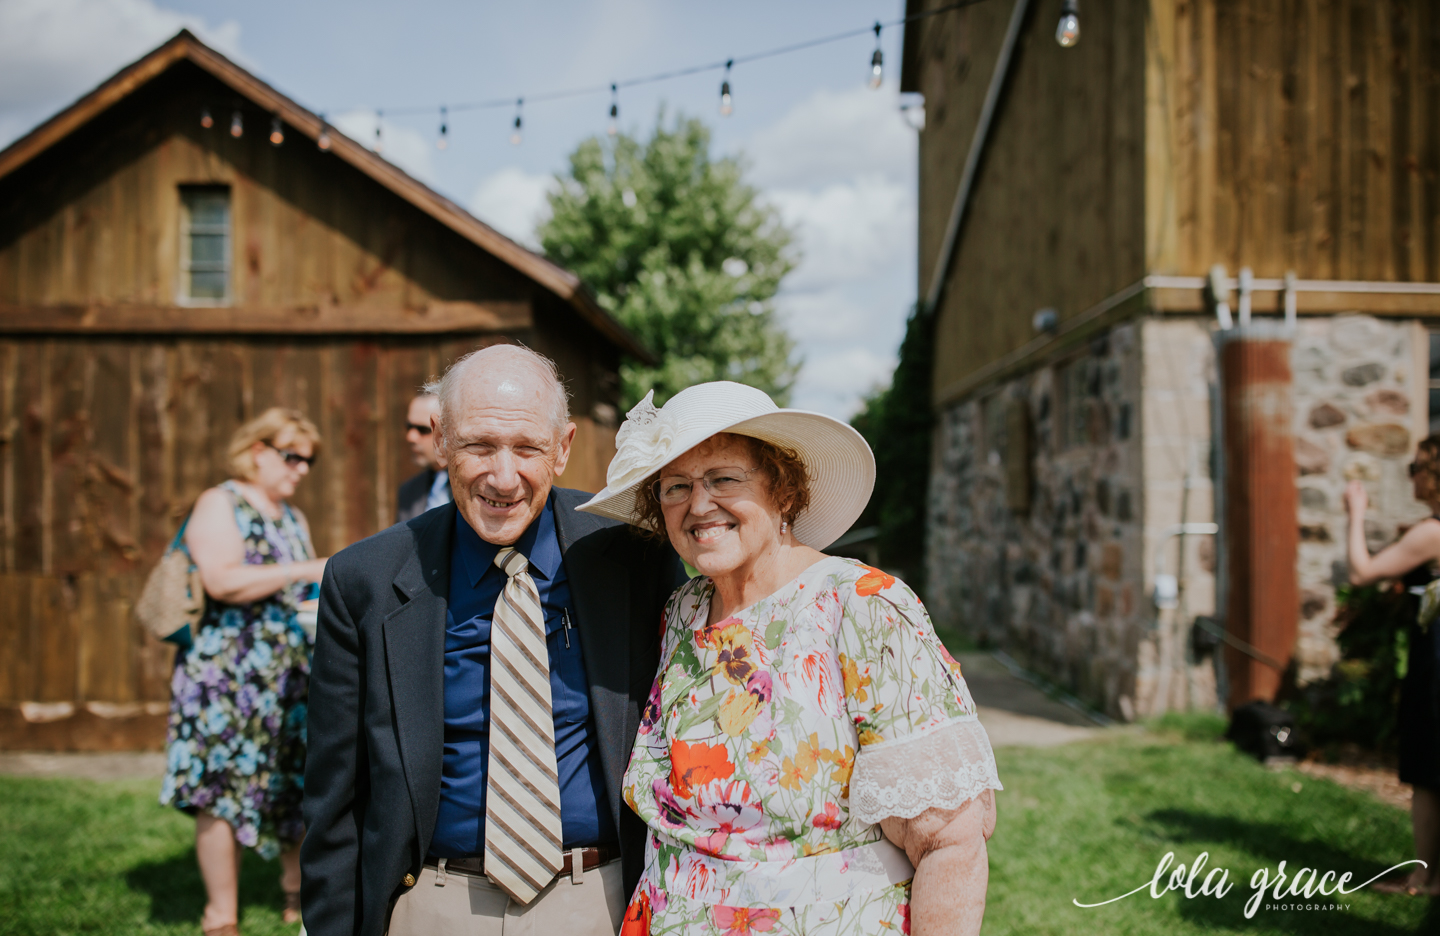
(237, 126)
(379, 140)
(206, 120)
(727, 104)
(443, 140)
(277, 134)
(1067, 31)
(1067, 35)
(323, 140)
(877, 61)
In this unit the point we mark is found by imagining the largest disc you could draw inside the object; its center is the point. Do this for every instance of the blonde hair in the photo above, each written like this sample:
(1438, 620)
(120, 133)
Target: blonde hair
(270, 425)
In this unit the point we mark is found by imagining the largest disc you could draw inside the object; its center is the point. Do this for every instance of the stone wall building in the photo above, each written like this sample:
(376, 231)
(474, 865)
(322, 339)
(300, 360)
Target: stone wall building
(1067, 238)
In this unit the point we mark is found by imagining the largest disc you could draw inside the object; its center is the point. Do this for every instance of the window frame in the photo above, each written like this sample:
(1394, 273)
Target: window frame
(187, 266)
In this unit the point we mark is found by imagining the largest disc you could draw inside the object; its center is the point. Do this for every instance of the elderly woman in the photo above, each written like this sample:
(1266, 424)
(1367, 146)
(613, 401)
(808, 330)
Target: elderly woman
(236, 751)
(810, 760)
(1412, 559)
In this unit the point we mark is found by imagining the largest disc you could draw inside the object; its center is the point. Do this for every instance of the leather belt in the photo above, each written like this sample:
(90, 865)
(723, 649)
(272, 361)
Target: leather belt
(589, 858)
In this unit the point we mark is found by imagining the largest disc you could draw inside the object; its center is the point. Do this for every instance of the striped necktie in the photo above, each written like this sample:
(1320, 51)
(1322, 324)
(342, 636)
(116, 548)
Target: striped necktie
(522, 794)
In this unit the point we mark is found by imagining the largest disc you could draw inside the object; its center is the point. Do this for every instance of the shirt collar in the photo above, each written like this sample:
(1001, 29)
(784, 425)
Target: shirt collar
(539, 543)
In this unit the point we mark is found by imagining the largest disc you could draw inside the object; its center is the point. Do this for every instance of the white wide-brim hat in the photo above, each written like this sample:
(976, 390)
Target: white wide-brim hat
(839, 463)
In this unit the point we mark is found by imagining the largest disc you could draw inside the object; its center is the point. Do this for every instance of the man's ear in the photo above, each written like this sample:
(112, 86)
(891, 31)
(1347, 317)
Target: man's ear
(562, 458)
(437, 434)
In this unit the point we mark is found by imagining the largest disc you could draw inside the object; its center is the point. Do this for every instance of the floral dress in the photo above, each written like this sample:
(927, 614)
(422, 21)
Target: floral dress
(236, 745)
(773, 743)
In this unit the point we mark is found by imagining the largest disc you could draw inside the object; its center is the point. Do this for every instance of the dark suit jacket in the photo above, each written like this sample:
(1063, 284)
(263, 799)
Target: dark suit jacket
(377, 696)
(410, 501)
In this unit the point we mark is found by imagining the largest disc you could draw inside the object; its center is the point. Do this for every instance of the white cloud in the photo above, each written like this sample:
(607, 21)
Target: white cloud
(833, 136)
(404, 146)
(53, 51)
(850, 229)
(840, 168)
(512, 201)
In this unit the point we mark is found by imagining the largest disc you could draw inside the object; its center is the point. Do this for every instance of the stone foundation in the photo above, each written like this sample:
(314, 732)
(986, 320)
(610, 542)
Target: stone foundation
(1052, 494)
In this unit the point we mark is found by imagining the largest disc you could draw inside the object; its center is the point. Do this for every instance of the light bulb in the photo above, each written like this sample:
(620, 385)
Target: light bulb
(379, 140)
(727, 105)
(323, 140)
(237, 126)
(877, 61)
(1067, 31)
(206, 120)
(444, 139)
(277, 134)
(614, 128)
(515, 134)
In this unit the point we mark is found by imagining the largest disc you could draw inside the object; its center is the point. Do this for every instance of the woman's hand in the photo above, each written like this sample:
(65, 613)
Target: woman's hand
(218, 550)
(1356, 500)
(952, 868)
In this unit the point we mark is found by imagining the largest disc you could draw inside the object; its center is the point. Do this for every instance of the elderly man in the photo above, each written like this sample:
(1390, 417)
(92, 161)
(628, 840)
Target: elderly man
(478, 681)
(431, 487)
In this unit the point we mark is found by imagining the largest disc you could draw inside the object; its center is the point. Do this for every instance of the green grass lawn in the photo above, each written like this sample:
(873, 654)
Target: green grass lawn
(1087, 821)
(78, 856)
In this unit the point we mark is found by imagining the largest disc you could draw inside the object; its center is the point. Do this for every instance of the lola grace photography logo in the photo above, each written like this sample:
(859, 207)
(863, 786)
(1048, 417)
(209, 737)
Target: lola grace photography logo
(1284, 889)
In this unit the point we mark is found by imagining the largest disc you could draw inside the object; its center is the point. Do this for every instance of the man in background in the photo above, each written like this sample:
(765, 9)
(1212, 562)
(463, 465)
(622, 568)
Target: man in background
(431, 487)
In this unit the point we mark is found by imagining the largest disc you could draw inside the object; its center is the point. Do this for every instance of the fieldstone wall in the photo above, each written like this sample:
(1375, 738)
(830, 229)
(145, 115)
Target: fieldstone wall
(1118, 443)
(1360, 408)
(1034, 540)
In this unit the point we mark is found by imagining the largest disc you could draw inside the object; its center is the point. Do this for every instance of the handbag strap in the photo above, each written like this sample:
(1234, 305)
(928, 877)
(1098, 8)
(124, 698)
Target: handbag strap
(179, 541)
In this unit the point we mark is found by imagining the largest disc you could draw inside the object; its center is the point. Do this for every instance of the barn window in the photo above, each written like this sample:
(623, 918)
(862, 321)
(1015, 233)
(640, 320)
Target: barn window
(205, 243)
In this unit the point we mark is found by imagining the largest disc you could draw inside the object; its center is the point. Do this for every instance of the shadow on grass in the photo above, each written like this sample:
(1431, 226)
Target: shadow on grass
(1274, 843)
(177, 892)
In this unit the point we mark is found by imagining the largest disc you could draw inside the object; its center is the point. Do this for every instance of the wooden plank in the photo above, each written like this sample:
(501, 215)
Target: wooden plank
(31, 473)
(9, 442)
(106, 644)
(360, 429)
(53, 637)
(137, 319)
(110, 480)
(17, 682)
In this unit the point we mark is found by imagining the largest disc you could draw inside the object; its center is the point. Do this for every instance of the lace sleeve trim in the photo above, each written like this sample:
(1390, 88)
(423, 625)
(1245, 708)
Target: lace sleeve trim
(941, 767)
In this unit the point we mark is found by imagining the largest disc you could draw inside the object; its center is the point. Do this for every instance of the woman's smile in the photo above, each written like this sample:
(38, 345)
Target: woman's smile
(710, 531)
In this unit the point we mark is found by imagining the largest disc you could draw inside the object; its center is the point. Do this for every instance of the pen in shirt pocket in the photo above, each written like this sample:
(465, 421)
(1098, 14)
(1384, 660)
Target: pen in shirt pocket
(565, 619)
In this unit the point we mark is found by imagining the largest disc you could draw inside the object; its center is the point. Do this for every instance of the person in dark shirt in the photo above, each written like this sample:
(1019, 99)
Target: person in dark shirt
(477, 685)
(431, 487)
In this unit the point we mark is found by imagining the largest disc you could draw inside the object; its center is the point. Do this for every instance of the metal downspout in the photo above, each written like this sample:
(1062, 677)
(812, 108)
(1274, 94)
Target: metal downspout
(972, 159)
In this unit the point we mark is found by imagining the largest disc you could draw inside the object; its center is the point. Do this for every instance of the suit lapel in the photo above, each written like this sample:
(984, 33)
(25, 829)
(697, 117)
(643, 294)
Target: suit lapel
(600, 590)
(415, 659)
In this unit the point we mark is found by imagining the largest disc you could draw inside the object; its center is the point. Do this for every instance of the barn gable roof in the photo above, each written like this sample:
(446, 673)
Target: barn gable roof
(185, 46)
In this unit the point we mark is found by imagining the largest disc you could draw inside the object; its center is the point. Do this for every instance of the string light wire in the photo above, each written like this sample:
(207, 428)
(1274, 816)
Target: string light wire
(720, 65)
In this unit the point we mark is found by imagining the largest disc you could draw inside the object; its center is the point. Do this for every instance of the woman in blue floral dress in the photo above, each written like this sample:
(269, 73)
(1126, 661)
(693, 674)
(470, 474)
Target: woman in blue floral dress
(236, 747)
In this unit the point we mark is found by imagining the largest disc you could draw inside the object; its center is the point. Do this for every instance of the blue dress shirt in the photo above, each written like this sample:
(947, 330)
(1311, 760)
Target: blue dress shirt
(475, 585)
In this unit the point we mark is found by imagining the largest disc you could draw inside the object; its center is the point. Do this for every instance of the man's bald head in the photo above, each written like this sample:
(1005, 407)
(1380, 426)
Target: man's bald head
(505, 433)
(511, 372)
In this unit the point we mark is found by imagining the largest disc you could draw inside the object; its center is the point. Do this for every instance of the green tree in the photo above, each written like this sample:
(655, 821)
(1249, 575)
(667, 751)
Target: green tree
(677, 246)
(897, 422)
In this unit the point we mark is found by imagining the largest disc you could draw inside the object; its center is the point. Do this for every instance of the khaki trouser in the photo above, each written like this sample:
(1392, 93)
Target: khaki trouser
(470, 905)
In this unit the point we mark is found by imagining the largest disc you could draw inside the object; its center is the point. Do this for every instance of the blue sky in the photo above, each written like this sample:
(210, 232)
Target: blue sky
(836, 158)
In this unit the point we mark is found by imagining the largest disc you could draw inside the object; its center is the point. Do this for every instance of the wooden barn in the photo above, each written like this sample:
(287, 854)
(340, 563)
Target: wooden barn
(180, 249)
(1098, 224)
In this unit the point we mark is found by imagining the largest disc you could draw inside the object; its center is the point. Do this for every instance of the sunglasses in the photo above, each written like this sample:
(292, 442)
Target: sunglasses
(423, 430)
(293, 459)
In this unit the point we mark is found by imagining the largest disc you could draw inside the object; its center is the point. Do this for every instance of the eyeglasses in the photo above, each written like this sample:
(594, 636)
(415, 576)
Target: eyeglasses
(720, 482)
(423, 430)
(293, 459)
